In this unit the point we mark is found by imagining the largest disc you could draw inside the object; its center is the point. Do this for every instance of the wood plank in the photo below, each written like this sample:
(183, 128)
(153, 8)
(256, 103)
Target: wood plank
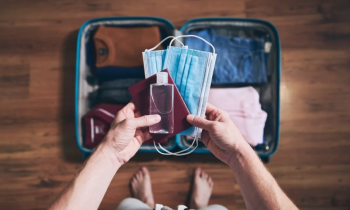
(38, 152)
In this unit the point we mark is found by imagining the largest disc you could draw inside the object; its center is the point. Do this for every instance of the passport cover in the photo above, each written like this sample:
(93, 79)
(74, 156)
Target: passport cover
(140, 93)
(97, 122)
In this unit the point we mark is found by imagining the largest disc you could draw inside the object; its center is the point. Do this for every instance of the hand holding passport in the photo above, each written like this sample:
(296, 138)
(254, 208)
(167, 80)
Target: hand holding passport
(140, 93)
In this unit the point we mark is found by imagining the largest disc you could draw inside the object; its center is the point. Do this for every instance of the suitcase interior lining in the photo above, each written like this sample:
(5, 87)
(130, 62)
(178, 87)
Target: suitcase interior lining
(88, 84)
(267, 91)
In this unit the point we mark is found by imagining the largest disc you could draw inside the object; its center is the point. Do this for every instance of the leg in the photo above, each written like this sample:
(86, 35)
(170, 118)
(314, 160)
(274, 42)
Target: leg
(214, 207)
(132, 204)
(202, 185)
(140, 185)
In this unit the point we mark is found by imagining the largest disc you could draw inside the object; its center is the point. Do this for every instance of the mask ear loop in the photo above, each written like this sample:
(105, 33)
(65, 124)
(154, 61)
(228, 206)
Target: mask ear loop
(198, 37)
(163, 41)
(182, 152)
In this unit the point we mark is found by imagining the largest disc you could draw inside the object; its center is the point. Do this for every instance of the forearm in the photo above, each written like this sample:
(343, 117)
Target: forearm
(88, 188)
(258, 187)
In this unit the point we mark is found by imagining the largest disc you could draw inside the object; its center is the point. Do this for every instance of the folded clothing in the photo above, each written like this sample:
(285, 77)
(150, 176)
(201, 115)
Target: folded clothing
(243, 106)
(97, 123)
(239, 60)
(118, 96)
(112, 72)
(116, 91)
(119, 83)
(123, 46)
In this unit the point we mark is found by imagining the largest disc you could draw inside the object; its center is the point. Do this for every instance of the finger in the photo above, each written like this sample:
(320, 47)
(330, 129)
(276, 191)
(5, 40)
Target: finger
(205, 137)
(209, 144)
(210, 108)
(137, 114)
(199, 122)
(119, 118)
(130, 106)
(142, 135)
(143, 121)
(146, 134)
(123, 113)
(139, 136)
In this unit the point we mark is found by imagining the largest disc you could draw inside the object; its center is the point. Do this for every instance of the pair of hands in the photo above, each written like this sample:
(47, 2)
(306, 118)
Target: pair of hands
(129, 130)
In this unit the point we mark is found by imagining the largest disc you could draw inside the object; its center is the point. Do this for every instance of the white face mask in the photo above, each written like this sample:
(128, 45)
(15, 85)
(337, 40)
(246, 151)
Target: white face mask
(192, 71)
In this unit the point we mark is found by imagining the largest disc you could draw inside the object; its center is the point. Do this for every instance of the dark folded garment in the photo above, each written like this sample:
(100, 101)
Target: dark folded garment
(119, 83)
(116, 91)
(117, 96)
(116, 72)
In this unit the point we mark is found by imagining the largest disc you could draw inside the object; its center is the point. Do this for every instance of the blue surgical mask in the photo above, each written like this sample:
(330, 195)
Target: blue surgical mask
(191, 70)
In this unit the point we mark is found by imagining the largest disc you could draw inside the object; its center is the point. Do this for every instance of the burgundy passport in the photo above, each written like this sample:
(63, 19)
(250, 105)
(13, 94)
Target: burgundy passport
(140, 93)
(97, 123)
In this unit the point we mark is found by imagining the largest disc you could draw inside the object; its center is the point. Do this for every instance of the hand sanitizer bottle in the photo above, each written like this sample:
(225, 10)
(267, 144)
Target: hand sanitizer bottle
(162, 103)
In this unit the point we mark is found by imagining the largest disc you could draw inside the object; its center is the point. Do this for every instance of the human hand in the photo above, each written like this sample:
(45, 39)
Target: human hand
(127, 134)
(220, 135)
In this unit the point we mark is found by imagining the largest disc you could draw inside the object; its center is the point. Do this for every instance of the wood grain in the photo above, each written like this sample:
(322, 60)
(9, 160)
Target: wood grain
(38, 153)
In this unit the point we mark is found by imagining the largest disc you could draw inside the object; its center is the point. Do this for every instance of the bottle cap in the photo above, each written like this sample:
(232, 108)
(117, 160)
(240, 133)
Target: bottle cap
(162, 78)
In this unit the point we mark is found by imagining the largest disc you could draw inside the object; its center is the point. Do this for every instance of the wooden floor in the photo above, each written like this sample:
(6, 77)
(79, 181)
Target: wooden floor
(38, 153)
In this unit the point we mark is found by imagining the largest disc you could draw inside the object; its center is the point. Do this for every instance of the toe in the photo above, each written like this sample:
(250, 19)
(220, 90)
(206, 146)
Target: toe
(135, 174)
(204, 175)
(144, 170)
(138, 175)
(133, 187)
(197, 171)
(210, 181)
(133, 183)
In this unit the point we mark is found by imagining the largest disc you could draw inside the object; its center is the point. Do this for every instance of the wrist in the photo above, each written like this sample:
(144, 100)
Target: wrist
(109, 153)
(240, 148)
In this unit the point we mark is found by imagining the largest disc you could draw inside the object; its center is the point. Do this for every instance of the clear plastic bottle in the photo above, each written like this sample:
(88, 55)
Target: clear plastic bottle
(162, 103)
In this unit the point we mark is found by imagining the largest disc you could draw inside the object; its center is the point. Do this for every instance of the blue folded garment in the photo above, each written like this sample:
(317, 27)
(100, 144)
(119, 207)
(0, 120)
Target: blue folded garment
(239, 60)
(117, 72)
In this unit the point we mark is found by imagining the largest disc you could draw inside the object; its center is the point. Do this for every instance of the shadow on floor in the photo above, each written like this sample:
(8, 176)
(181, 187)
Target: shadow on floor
(70, 148)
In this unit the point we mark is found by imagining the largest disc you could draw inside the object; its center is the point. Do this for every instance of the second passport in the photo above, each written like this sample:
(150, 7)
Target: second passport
(140, 93)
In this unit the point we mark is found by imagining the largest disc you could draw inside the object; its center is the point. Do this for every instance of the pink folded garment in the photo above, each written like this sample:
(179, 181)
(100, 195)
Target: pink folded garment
(243, 106)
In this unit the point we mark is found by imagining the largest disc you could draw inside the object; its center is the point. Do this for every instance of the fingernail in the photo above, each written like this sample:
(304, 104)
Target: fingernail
(155, 117)
(190, 116)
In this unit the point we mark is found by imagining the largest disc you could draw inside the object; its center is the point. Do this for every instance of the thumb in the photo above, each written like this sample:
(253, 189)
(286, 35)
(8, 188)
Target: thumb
(199, 122)
(144, 121)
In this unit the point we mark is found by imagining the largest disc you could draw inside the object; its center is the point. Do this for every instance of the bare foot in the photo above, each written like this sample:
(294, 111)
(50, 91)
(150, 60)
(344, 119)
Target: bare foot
(141, 187)
(201, 189)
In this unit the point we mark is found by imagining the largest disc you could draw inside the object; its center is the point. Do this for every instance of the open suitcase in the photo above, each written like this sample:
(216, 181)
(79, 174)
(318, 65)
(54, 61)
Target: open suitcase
(269, 91)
